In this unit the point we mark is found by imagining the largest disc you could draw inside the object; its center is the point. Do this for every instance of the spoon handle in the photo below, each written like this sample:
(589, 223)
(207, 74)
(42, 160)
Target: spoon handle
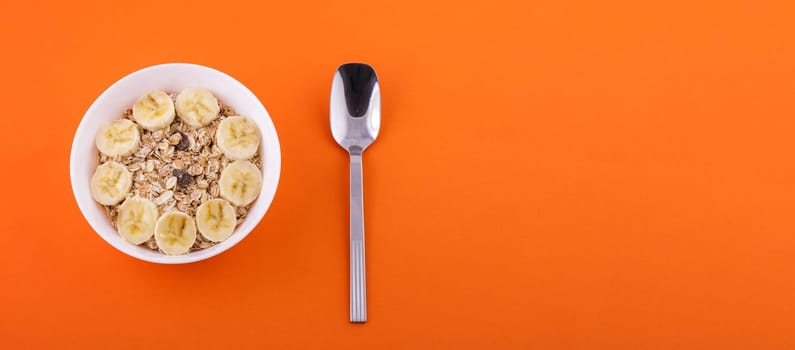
(358, 296)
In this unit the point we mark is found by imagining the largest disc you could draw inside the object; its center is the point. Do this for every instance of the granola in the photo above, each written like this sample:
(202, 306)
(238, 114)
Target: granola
(178, 168)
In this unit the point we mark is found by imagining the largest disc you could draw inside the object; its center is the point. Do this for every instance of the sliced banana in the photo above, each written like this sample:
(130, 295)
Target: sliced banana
(118, 138)
(110, 183)
(240, 182)
(237, 137)
(197, 107)
(175, 233)
(154, 111)
(137, 218)
(216, 219)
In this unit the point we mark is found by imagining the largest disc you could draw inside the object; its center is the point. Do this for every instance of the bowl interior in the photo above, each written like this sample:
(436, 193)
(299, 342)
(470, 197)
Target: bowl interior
(170, 77)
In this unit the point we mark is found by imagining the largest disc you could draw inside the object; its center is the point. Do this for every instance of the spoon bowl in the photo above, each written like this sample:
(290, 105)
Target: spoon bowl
(355, 106)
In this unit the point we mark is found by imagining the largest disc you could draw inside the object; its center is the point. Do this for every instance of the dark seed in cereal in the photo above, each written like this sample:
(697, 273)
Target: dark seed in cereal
(183, 143)
(183, 178)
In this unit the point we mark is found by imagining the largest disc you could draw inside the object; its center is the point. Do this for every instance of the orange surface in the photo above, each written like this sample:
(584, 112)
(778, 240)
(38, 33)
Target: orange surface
(549, 175)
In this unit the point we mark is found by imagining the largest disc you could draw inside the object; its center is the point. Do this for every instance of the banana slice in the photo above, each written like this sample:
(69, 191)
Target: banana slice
(216, 219)
(175, 233)
(137, 217)
(240, 182)
(110, 183)
(118, 138)
(154, 111)
(197, 107)
(237, 137)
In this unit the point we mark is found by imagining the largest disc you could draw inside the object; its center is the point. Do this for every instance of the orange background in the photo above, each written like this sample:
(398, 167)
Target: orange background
(549, 175)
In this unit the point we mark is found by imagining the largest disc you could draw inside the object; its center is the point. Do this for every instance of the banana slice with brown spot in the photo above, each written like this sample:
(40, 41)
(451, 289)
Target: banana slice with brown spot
(216, 219)
(137, 218)
(197, 107)
(154, 111)
(110, 183)
(118, 138)
(237, 137)
(240, 182)
(175, 233)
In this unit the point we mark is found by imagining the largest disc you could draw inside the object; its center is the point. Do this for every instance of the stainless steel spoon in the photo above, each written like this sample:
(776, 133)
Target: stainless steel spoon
(355, 120)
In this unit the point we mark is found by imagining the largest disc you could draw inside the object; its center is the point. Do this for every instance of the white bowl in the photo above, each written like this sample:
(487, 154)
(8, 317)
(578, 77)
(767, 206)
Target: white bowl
(170, 77)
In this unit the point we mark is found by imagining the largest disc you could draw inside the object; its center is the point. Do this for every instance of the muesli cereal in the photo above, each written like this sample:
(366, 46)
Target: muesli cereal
(173, 152)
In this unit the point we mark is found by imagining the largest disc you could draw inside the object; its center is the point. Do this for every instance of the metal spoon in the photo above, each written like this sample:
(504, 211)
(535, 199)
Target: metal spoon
(355, 120)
